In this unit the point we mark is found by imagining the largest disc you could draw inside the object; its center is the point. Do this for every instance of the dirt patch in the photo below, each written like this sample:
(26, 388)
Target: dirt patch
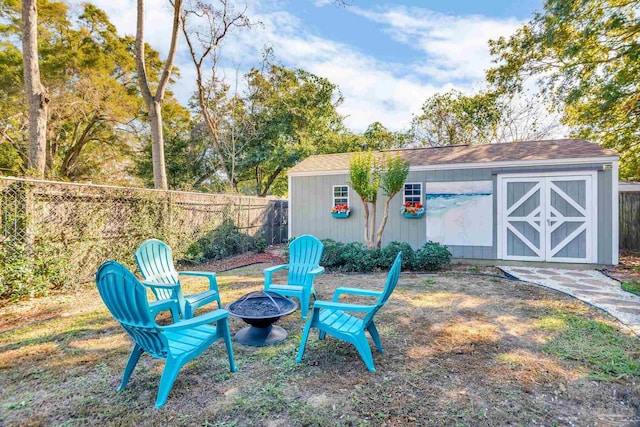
(628, 269)
(459, 350)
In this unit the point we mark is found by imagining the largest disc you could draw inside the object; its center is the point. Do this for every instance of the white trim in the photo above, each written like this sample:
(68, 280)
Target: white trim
(615, 220)
(289, 208)
(420, 195)
(480, 165)
(538, 251)
(548, 174)
(333, 195)
(499, 218)
(320, 173)
(546, 253)
(503, 224)
(523, 199)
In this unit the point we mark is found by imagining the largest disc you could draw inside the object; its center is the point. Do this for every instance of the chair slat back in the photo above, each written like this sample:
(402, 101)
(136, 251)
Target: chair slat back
(126, 299)
(304, 255)
(390, 285)
(155, 261)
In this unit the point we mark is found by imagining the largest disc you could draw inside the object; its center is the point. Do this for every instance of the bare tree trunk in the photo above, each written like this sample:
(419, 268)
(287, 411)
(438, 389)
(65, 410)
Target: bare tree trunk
(157, 148)
(385, 216)
(154, 103)
(372, 228)
(366, 221)
(36, 93)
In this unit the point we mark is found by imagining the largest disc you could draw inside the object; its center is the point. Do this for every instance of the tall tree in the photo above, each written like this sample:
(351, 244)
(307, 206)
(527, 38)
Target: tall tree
(378, 137)
(584, 55)
(190, 162)
(36, 94)
(154, 101)
(95, 105)
(452, 118)
(205, 26)
(295, 116)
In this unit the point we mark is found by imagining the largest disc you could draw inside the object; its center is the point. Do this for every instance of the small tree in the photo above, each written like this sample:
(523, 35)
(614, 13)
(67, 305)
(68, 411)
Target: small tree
(364, 174)
(368, 175)
(394, 174)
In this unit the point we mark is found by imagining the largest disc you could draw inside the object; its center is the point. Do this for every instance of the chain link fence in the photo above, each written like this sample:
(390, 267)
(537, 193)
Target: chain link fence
(78, 226)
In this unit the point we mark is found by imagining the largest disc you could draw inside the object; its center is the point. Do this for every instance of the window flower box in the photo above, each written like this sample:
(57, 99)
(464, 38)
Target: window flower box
(412, 210)
(340, 211)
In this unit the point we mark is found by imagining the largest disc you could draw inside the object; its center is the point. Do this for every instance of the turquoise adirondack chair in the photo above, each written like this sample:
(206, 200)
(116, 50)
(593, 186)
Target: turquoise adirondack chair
(331, 317)
(179, 343)
(304, 259)
(155, 262)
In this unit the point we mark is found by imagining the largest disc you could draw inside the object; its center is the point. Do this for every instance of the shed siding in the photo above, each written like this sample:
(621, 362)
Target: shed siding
(311, 202)
(605, 218)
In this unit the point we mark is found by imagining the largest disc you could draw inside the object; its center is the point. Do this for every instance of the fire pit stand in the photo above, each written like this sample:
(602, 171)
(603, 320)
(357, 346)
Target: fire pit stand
(261, 309)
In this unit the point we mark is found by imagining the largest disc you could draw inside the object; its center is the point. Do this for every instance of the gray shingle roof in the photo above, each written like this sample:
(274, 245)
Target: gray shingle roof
(455, 154)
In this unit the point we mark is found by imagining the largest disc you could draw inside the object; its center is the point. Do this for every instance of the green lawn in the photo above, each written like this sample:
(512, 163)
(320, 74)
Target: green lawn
(633, 287)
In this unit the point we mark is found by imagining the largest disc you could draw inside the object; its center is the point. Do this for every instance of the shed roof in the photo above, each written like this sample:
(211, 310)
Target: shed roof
(459, 154)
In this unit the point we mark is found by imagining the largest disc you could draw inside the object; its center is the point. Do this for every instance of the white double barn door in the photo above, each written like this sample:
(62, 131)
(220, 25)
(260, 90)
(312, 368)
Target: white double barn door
(547, 218)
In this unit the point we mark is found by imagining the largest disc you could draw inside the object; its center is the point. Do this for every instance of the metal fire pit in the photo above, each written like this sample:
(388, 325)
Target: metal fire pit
(261, 309)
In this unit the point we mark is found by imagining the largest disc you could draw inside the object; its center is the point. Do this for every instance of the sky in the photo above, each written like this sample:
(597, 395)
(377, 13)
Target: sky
(386, 57)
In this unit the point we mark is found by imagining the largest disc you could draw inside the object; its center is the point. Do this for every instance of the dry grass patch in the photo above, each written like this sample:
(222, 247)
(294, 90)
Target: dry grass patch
(459, 350)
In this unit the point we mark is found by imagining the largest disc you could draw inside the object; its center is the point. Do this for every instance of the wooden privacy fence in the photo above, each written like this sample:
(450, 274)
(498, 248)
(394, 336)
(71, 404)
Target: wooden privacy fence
(629, 209)
(83, 225)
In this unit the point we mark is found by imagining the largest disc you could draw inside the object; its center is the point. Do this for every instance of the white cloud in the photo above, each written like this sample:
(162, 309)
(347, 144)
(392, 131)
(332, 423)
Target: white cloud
(455, 47)
(451, 51)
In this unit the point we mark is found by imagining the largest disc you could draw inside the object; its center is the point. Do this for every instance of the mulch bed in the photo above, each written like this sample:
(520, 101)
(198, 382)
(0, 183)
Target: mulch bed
(271, 256)
(626, 271)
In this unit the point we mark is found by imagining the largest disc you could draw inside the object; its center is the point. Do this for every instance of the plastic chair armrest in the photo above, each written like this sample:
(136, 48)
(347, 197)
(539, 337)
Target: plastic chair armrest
(316, 271)
(198, 273)
(203, 319)
(342, 306)
(202, 299)
(355, 291)
(268, 273)
(165, 304)
(275, 268)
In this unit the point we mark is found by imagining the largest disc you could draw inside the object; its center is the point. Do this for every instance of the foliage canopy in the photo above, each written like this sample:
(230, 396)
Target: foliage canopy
(585, 55)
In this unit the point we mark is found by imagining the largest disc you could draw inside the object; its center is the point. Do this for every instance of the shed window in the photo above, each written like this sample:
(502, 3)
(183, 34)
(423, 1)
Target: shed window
(340, 195)
(412, 193)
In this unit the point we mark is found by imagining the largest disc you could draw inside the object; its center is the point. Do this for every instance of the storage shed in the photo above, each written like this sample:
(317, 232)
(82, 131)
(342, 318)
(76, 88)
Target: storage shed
(549, 201)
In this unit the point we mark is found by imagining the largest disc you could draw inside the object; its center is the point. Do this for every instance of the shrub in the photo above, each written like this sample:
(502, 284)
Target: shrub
(25, 273)
(222, 242)
(356, 257)
(363, 261)
(332, 256)
(389, 253)
(432, 256)
(260, 244)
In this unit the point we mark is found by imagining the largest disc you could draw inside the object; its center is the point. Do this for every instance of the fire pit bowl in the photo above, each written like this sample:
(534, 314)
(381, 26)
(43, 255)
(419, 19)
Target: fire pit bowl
(261, 309)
